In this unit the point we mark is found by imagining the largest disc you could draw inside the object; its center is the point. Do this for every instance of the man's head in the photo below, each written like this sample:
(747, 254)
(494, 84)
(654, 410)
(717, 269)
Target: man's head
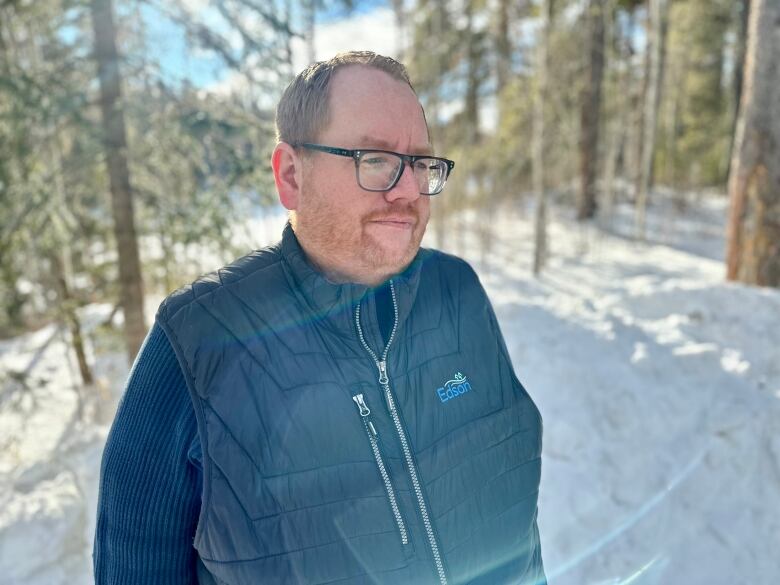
(355, 101)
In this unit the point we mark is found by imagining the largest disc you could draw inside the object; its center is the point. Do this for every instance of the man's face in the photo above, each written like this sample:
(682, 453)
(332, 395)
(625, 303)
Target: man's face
(349, 233)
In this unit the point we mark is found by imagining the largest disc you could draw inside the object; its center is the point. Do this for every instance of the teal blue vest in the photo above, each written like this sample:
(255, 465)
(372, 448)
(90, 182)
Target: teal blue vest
(324, 463)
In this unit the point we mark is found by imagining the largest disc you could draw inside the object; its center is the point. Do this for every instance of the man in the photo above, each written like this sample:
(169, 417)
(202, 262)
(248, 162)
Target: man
(339, 407)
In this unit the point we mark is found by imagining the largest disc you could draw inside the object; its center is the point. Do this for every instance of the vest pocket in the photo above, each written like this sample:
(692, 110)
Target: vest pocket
(373, 438)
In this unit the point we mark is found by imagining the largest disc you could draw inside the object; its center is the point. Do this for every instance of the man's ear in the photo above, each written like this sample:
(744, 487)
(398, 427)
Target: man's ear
(288, 174)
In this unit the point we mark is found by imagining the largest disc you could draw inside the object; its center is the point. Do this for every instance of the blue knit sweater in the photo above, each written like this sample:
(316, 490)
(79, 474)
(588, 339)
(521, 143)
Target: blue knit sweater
(150, 488)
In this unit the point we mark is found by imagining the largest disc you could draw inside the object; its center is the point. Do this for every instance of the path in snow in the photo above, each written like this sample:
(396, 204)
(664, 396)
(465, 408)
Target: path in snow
(659, 385)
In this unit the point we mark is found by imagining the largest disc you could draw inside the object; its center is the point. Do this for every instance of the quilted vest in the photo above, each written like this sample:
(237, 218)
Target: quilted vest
(331, 457)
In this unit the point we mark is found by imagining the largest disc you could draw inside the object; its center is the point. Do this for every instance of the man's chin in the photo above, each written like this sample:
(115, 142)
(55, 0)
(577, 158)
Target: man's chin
(390, 261)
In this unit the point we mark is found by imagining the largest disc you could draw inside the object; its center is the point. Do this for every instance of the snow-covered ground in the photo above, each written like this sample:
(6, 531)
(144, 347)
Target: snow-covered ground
(658, 382)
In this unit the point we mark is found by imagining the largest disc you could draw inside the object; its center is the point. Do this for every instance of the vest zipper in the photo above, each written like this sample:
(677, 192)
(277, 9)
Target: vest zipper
(373, 438)
(384, 382)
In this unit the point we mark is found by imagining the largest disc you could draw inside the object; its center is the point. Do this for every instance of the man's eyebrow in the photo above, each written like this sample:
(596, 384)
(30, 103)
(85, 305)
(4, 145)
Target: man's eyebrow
(369, 141)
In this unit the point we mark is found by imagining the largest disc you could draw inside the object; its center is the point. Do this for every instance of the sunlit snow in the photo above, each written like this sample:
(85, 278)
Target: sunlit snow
(658, 382)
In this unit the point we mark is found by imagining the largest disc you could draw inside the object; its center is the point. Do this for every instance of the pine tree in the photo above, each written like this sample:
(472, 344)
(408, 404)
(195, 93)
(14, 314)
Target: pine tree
(753, 254)
(590, 112)
(115, 144)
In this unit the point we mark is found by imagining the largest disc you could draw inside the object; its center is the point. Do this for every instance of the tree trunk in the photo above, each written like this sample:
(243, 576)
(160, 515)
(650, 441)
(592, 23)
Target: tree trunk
(310, 16)
(590, 110)
(399, 11)
(503, 46)
(753, 252)
(64, 225)
(537, 166)
(616, 121)
(676, 76)
(472, 78)
(652, 99)
(115, 144)
(440, 208)
(462, 197)
(635, 97)
(743, 8)
(67, 306)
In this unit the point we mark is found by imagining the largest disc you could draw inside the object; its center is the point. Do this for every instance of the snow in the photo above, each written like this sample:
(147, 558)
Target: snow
(658, 382)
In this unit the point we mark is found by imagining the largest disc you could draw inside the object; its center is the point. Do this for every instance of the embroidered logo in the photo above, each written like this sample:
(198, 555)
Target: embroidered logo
(453, 388)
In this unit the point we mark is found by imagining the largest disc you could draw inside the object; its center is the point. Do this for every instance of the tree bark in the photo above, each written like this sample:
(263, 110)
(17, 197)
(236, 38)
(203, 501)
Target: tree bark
(590, 110)
(399, 11)
(616, 121)
(503, 46)
(440, 208)
(310, 17)
(67, 306)
(537, 166)
(115, 144)
(462, 196)
(472, 77)
(658, 10)
(753, 249)
(740, 54)
(743, 8)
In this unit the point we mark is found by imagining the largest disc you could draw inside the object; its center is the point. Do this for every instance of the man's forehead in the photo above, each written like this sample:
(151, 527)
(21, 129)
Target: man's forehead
(371, 109)
(369, 141)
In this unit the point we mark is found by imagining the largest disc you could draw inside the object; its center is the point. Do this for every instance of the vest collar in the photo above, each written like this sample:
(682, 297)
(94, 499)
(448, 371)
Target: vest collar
(334, 304)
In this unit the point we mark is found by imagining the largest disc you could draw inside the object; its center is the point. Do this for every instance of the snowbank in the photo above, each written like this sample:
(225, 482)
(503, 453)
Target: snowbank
(659, 385)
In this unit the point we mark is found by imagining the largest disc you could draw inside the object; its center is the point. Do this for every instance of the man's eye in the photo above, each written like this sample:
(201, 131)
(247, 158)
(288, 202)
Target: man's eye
(375, 161)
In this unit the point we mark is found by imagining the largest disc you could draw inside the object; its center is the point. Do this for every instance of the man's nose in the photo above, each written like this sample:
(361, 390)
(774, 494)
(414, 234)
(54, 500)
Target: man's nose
(406, 187)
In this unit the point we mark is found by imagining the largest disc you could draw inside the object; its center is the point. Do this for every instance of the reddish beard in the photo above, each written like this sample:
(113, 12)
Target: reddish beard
(347, 249)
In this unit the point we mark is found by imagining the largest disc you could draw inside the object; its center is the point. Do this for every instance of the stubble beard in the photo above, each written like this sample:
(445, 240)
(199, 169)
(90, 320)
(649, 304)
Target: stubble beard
(348, 252)
(392, 261)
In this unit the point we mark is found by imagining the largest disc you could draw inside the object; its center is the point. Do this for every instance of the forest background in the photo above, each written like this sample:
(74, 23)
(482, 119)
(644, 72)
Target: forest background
(135, 137)
(130, 130)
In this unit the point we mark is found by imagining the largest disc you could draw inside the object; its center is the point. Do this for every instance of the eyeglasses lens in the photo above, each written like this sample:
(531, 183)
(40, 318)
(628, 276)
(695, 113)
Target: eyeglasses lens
(377, 171)
(432, 175)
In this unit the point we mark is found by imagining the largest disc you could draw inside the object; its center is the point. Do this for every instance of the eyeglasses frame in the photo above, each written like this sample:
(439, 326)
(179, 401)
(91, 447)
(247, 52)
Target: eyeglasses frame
(408, 159)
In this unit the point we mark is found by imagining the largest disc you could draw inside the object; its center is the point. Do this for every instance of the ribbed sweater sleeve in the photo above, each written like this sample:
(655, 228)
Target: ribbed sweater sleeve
(149, 498)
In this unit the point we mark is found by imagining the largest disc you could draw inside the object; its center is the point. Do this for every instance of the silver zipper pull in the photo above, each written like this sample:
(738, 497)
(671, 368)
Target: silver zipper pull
(373, 430)
(364, 411)
(382, 372)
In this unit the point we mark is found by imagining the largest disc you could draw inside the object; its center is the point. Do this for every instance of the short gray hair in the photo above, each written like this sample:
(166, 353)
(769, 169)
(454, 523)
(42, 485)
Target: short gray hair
(303, 110)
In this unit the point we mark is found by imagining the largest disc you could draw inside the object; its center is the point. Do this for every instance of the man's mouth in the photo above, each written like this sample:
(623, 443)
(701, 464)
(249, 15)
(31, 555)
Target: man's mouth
(395, 221)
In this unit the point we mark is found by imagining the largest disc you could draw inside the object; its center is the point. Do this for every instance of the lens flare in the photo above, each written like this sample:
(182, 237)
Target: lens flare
(643, 510)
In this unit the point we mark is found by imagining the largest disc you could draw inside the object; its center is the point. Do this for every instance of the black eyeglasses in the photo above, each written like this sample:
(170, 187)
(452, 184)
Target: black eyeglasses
(380, 170)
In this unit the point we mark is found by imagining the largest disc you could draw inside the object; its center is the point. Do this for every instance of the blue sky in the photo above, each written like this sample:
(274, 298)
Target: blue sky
(168, 46)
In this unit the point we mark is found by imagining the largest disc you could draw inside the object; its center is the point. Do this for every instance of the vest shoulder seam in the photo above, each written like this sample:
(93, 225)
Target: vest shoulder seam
(190, 288)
